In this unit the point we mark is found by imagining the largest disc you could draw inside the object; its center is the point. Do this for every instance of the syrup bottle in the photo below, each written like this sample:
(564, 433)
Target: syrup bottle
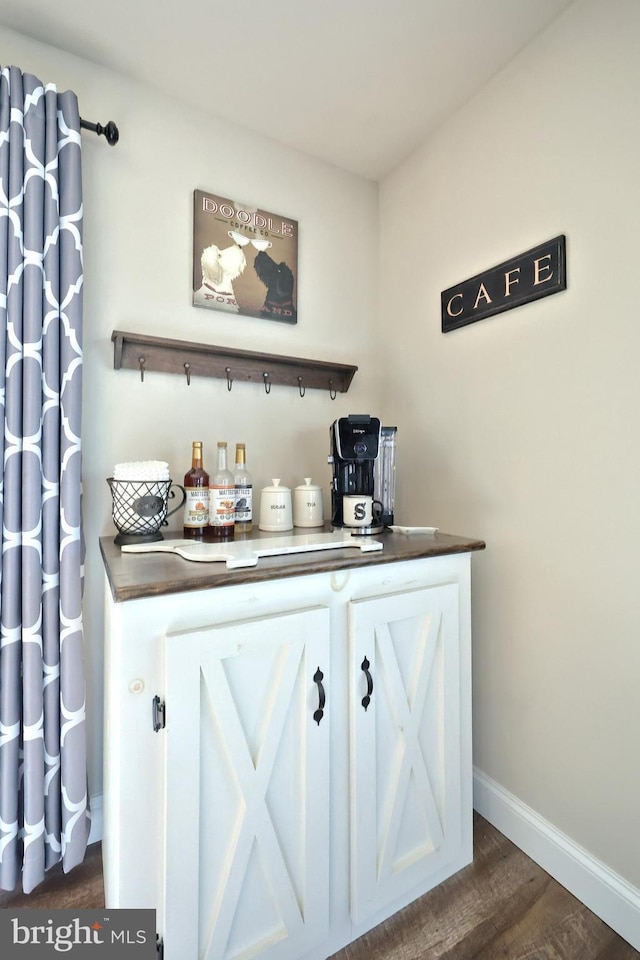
(243, 493)
(196, 505)
(222, 503)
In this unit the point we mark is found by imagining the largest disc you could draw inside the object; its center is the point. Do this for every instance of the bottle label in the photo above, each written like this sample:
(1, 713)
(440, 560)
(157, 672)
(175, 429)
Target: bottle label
(244, 504)
(222, 506)
(196, 507)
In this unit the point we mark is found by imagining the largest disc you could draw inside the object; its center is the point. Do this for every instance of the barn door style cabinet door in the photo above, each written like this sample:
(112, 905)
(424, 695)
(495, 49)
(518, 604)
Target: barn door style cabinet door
(405, 758)
(247, 789)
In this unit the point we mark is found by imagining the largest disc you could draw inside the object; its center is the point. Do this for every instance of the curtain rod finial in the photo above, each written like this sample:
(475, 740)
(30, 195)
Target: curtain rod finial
(111, 132)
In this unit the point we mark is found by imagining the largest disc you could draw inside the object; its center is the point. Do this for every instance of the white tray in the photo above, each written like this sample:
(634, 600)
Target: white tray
(247, 553)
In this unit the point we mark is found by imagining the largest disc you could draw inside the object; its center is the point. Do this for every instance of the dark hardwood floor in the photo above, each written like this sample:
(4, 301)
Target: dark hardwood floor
(501, 907)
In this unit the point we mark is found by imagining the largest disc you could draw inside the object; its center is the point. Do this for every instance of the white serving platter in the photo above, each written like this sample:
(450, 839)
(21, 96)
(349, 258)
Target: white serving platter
(247, 553)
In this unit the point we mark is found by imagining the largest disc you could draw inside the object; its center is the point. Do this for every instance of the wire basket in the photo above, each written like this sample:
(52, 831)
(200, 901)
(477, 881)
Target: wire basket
(141, 507)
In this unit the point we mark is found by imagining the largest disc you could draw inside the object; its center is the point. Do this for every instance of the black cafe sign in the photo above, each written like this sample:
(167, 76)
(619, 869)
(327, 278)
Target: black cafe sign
(534, 274)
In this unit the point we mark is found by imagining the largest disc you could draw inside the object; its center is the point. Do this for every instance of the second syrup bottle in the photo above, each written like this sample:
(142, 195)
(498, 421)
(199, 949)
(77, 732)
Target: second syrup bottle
(222, 501)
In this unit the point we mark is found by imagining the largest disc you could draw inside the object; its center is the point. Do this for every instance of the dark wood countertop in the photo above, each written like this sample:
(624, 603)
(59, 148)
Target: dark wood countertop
(134, 576)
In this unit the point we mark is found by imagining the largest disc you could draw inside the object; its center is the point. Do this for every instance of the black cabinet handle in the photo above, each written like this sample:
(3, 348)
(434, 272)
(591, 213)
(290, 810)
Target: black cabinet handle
(319, 713)
(364, 666)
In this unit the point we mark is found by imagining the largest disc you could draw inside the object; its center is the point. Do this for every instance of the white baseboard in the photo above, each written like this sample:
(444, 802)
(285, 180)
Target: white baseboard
(604, 892)
(95, 833)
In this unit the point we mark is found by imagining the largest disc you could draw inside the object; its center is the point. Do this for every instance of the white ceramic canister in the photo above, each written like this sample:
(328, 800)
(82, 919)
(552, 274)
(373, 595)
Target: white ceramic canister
(307, 505)
(275, 508)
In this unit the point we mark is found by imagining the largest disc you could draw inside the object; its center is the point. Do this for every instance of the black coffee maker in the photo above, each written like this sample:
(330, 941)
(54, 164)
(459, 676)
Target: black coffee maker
(354, 445)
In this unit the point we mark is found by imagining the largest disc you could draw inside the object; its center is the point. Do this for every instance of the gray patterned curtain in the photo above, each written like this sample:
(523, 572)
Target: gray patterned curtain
(44, 814)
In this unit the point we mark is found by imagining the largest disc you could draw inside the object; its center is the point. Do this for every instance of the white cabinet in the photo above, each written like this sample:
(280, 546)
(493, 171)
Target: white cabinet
(247, 788)
(252, 829)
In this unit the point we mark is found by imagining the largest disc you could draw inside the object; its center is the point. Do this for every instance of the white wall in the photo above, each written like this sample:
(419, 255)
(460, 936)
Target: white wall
(522, 429)
(138, 199)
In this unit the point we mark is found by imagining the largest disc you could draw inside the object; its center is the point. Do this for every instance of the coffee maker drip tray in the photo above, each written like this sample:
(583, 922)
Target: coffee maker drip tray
(372, 531)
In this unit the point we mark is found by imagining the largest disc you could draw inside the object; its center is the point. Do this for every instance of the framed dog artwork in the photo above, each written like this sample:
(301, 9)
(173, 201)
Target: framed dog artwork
(245, 259)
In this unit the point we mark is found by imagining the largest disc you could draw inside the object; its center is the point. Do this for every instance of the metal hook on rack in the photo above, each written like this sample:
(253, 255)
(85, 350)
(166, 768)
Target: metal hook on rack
(302, 389)
(332, 392)
(141, 362)
(227, 370)
(187, 370)
(267, 384)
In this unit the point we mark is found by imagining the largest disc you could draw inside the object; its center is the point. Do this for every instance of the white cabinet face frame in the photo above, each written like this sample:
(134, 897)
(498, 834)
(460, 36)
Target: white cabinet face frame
(405, 743)
(247, 788)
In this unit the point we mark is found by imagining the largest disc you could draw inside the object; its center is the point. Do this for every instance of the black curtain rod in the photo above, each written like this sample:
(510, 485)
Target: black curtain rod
(111, 132)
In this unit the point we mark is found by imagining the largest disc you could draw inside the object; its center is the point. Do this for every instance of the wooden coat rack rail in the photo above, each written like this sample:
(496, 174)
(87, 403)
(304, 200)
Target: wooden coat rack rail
(137, 351)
